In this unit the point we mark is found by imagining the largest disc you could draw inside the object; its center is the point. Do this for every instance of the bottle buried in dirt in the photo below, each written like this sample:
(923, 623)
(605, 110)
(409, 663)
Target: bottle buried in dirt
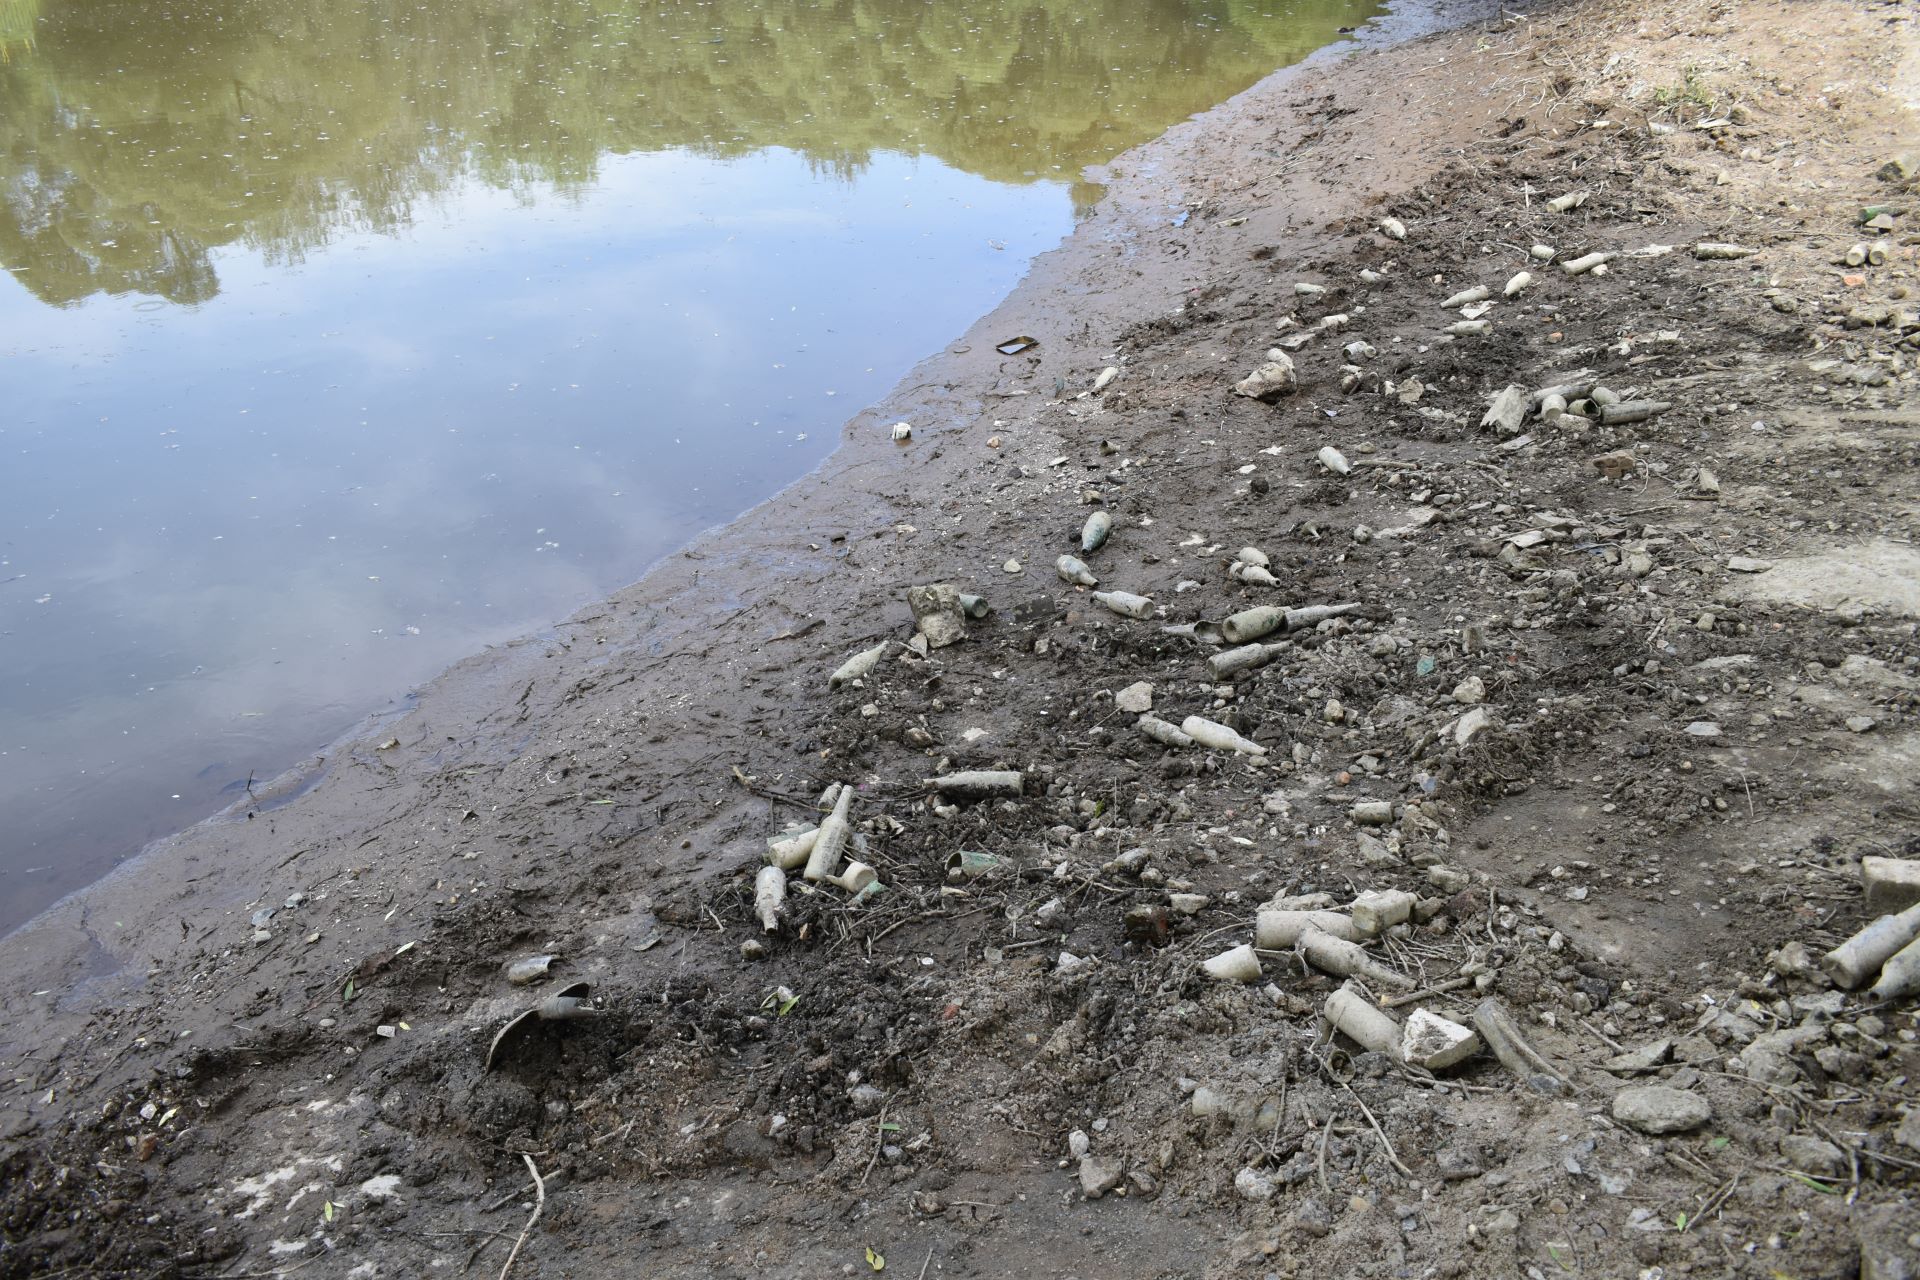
(858, 667)
(979, 784)
(566, 1005)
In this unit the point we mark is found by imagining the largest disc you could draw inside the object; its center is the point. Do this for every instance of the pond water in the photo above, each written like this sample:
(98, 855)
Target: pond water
(339, 341)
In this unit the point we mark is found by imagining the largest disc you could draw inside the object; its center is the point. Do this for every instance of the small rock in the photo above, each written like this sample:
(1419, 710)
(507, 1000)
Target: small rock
(1394, 229)
(1861, 724)
(1472, 723)
(1135, 699)
(1253, 1185)
(1099, 1175)
(1448, 880)
(1313, 1218)
(1470, 692)
(1615, 466)
(1792, 961)
(1435, 1043)
(1812, 1155)
(1656, 1109)
(1079, 1144)
(1011, 566)
(1703, 729)
(866, 1099)
(1748, 564)
(1271, 380)
(1645, 1058)
(1457, 1164)
(1908, 1134)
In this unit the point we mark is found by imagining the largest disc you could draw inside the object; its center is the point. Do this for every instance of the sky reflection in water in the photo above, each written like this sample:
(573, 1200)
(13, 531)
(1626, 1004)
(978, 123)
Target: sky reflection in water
(337, 345)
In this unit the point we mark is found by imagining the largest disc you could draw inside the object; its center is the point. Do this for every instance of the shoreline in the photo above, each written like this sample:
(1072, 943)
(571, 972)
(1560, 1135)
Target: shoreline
(1402, 22)
(1611, 756)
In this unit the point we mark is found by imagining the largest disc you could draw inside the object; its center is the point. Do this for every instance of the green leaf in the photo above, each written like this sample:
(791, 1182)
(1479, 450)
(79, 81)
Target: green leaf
(786, 1007)
(1719, 1144)
(877, 1261)
(346, 997)
(326, 1210)
(891, 1127)
(1821, 1187)
(1680, 1221)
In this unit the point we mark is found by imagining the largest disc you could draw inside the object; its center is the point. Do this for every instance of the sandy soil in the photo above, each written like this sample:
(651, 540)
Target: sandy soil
(1628, 778)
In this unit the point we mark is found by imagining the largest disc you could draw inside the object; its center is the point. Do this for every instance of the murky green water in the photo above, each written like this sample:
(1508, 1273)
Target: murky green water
(339, 341)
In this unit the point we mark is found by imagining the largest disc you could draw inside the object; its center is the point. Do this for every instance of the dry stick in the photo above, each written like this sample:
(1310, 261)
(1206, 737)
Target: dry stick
(1321, 1162)
(1438, 988)
(927, 1263)
(539, 1204)
(1380, 1133)
(879, 1140)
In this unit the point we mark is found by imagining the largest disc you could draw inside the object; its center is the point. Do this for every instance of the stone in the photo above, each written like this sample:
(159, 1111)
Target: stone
(1313, 1218)
(1135, 699)
(1656, 1109)
(1079, 1145)
(1271, 380)
(1615, 466)
(1472, 724)
(1374, 852)
(1908, 1134)
(1703, 729)
(1861, 724)
(1435, 1043)
(1636, 1061)
(936, 607)
(1769, 1059)
(1457, 1164)
(1892, 884)
(1748, 564)
(1099, 1175)
(1448, 880)
(1812, 1155)
(1470, 692)
(1253, 1185)
(1904, 167)
(1793, 960)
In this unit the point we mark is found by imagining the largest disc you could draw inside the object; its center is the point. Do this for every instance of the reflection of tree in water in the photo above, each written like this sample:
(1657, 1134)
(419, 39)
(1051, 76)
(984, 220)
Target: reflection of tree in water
(137, 135)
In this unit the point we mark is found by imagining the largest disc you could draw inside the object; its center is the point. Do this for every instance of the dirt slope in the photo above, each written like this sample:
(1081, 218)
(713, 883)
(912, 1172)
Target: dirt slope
(1637, 696)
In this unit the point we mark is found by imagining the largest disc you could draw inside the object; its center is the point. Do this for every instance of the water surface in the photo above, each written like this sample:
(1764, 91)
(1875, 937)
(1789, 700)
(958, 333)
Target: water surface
(337, 342)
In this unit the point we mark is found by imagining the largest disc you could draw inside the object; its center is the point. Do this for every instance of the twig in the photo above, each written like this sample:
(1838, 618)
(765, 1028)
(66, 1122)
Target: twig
(1320, 1162)
(1438, 988)
(1380, 1133)
(927, 1263)
(540, 1203)
(879, 1140)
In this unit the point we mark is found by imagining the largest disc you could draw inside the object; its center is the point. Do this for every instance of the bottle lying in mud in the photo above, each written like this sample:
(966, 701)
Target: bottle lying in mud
(1251, 624)
(1074, 570)
(1125, 603)
(1093, 535)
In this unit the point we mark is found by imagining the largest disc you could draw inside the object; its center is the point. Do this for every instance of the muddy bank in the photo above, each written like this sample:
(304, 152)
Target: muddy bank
(1618, 710)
